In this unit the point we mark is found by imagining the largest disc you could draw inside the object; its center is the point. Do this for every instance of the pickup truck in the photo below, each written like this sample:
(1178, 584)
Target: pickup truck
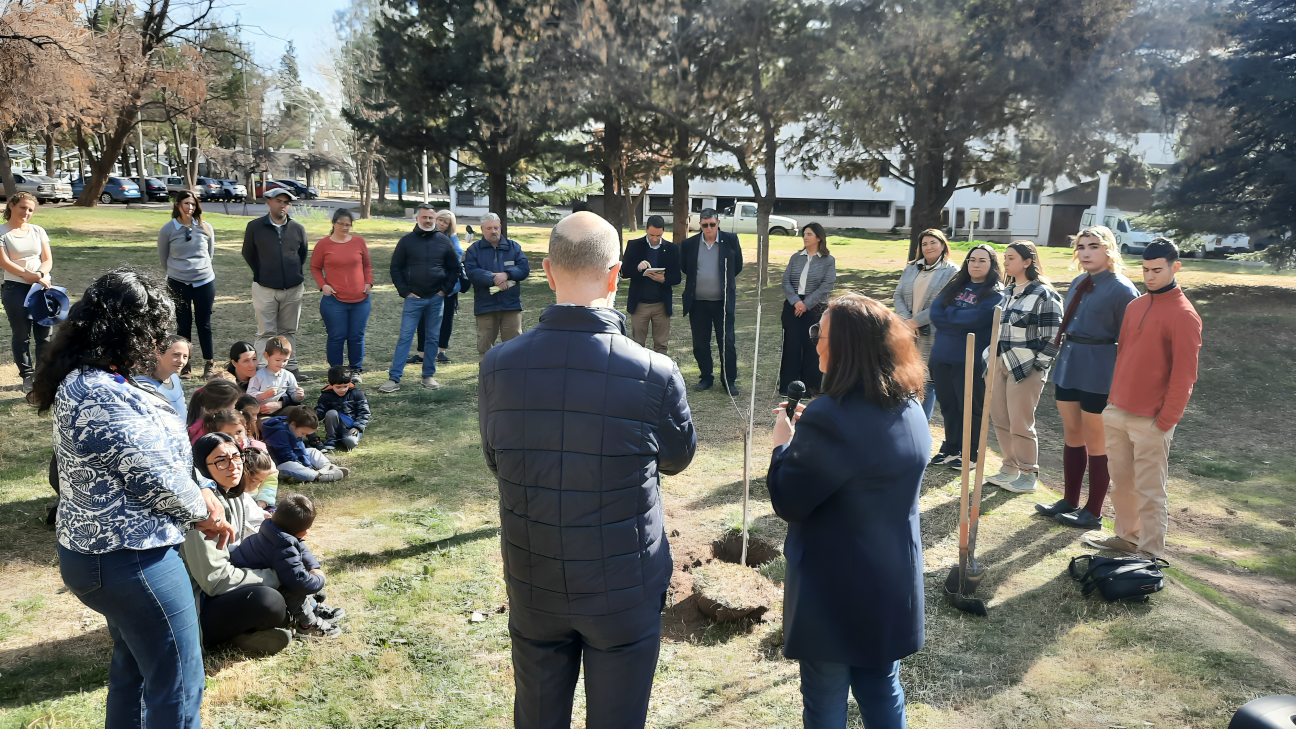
(743, 220)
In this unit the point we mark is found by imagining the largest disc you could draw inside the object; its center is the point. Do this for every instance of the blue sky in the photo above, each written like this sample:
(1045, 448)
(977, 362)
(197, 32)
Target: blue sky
(270, 24)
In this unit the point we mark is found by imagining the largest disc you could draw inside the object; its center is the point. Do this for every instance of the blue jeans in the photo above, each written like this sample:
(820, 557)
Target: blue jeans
(825, 687)
(929, 399)
(156, 678)
(345, 323)
(411, 315)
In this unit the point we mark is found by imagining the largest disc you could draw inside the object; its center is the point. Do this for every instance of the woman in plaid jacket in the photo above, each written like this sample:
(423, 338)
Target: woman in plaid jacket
(1031, 317)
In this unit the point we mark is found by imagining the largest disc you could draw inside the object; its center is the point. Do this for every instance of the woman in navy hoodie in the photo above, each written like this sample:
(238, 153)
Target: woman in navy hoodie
(966, 305)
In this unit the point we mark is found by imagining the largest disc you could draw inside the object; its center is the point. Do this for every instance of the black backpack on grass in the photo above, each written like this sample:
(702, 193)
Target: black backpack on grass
(1132, 579)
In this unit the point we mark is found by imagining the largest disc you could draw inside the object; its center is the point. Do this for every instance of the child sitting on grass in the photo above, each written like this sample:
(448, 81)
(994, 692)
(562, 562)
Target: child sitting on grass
(249, 406)
(165, 378)
(260, 485)
(260, 477)
(213, 396)
(283, 436)
(278, 544)
(344, 410)
(274, 381)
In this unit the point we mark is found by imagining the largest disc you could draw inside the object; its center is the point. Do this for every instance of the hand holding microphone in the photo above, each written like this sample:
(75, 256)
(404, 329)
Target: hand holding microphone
(785, 426)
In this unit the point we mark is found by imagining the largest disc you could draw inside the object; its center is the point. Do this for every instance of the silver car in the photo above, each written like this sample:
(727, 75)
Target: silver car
(44, 188)
(175, 185)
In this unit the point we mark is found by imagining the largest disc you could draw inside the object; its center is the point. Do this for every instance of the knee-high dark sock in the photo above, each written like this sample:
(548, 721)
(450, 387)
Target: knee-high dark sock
(1099, 480)
(1073, 469)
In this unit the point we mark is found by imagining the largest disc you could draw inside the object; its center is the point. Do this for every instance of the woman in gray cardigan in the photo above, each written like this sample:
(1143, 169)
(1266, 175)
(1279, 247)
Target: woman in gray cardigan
(186, 246)
(920, 284)
(807, 282)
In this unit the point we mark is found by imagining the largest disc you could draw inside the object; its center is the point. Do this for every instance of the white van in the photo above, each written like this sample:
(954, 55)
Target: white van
(1130, 239)
(742, 219)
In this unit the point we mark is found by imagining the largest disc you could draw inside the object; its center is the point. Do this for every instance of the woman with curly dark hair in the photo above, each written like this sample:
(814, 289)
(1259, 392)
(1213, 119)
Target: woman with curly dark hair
(127, 496)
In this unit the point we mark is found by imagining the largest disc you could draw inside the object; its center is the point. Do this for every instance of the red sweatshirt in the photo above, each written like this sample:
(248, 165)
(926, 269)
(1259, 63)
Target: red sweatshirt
(1156, 363)
(344, 266)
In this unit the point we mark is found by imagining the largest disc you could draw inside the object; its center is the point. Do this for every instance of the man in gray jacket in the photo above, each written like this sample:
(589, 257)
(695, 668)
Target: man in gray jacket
(578, 423)
(275, 249)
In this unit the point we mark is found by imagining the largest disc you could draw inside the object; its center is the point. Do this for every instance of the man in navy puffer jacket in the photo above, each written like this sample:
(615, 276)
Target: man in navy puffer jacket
(578, 423)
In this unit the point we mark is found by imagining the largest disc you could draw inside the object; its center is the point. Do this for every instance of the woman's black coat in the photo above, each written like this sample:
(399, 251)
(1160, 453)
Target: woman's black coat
(848, 486)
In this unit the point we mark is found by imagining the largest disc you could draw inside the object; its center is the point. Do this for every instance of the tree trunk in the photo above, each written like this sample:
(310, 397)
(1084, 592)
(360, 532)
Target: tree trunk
(50, 156)
(613, 206)
(112, 147)
(6, 171)
(400, 184)
(191, 168)
(381, 170)
(932, 191)
(680, 186)
(366, 184)
(497, 186)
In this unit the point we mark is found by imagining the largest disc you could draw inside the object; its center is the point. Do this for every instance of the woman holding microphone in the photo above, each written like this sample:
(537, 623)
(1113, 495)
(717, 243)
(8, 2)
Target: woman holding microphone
(846, 478)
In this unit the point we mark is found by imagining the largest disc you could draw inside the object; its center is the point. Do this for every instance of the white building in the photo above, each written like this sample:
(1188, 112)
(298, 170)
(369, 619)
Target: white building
(1041, 217)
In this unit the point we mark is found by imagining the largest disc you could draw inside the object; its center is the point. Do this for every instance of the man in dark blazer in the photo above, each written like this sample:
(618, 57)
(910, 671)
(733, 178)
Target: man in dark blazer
(578, 427)
(650, 289)
(711, 261)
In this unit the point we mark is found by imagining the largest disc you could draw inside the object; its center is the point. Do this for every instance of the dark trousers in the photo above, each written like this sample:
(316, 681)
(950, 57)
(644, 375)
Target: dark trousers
(147, 599)
(243, 610)
(13, 294)
(800, 358)
(948, 377)
(447, 325)
(620, 654)
(706, 317)
(194, 302)
(825, 688)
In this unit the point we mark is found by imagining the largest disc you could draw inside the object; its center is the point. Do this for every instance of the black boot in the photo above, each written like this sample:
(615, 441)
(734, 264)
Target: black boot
(1080, 518)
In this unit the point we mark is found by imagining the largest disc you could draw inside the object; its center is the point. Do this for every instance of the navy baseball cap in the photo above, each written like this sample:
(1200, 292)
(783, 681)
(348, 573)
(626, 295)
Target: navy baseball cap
(48, 306)
(1161, 248)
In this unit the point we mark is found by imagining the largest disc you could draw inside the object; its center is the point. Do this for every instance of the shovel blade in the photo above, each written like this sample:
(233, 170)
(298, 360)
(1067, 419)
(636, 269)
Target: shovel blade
(966, 604)
(971, 579)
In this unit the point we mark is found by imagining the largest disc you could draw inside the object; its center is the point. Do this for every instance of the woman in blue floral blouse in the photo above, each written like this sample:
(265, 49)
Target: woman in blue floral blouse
(127, 497)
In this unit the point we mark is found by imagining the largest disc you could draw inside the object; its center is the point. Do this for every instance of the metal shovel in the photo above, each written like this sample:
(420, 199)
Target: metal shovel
(962, 582)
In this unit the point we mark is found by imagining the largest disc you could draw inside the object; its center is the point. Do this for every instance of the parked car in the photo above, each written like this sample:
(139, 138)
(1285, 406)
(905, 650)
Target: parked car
(208, 188)
(1223, 245)
(154, 188)
(742, 219)
(1129, 238)
(174, 185)
(117, 189)
(40, 186)
(272, 185)
(62, 190)
(233, 190)
(300, 189)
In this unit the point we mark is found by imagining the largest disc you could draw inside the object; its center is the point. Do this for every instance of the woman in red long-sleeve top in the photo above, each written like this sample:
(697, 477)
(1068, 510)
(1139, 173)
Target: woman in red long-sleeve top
(341, 267)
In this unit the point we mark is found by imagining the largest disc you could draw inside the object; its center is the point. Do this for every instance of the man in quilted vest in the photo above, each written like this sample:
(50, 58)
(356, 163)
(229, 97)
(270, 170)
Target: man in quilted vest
(578, 423)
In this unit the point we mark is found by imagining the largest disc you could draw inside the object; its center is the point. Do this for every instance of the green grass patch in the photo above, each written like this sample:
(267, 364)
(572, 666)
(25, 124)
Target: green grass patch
(1248, 615)
(1222, 471)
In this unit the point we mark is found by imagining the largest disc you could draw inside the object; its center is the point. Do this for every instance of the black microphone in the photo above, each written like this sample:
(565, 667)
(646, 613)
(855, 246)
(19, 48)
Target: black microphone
(796, 391)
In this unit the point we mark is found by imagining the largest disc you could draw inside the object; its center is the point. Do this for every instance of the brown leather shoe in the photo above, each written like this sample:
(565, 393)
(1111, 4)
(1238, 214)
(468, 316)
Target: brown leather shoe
(207, 368)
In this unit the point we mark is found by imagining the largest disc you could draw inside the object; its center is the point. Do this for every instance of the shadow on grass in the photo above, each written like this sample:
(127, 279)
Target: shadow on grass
(368, 559)
(730, 493)
(76, 665)
(23, 533)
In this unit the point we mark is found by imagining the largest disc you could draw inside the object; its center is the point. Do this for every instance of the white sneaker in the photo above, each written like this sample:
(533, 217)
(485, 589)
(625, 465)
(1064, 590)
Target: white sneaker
(389, 386)
(1004, 477)
(430, 384)
(1024, 484)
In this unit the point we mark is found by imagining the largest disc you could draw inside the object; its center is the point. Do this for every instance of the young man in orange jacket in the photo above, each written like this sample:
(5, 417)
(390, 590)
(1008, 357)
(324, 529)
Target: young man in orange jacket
(1156, 366)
